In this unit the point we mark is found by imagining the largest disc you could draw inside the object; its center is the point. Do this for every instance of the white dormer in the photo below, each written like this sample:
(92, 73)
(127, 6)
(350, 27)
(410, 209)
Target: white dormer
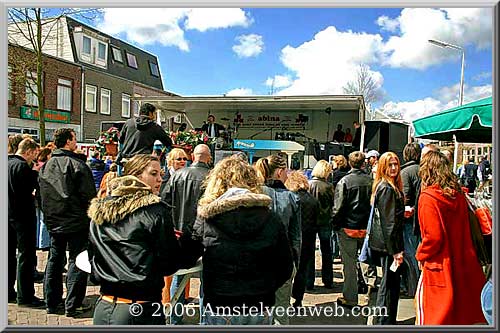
(91, 47)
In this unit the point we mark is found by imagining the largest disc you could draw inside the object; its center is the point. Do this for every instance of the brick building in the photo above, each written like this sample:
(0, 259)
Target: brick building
(62, 93)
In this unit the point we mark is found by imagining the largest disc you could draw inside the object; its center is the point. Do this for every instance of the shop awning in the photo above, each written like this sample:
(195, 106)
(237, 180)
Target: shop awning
(471, 122)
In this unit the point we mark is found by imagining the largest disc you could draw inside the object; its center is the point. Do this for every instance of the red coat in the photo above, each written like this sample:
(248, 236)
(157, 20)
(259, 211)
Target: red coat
(449, 292)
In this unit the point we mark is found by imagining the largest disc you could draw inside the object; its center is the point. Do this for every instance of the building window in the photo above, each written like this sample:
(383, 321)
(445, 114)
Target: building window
(153, 68)
(125, 105)
(101, 52)
(31, 89)
(117, 54)
(136, 106)
(64, 94)
(105, 101)
(87, 42)
(90, 98)
(131, 60)
(9, 82)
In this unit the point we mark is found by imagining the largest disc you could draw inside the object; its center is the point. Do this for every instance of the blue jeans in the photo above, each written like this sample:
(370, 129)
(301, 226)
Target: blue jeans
(261, 319)
(325, 236)
(410, 262)
(177, 320)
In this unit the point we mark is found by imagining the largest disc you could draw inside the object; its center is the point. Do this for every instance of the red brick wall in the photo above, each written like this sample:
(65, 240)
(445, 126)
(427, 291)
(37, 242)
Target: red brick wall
(53, 69)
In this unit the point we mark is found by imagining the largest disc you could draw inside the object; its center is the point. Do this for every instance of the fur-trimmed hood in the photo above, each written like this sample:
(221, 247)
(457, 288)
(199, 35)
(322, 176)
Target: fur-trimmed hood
(233, 199)
(128, 194)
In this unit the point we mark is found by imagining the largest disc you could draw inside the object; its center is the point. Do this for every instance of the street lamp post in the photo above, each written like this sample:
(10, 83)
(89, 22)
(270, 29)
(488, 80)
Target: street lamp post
(461, 93)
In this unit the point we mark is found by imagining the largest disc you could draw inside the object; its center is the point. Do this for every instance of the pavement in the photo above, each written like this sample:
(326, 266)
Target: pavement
(319, 298)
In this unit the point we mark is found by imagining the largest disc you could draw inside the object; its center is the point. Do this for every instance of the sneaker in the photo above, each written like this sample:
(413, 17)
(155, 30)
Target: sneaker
(57, 310)
(345, 303)
(78, 311)
(35, 303)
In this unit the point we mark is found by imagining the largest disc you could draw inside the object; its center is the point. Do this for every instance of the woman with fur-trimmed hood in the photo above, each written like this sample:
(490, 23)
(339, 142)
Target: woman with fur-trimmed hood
(247, 256)
(133, 246)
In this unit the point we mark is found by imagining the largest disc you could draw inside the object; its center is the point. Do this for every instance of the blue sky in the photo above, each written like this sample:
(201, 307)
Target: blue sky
(241, 51)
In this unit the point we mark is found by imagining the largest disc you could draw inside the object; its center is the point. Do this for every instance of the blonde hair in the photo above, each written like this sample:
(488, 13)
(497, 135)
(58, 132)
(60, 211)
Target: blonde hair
(230, 172)
(322, 169)
(341, 161)
(383, 174)
(296, 181)
(175, 153)
(27, 144)
(136, 165)
(435, 169)
(267, 166)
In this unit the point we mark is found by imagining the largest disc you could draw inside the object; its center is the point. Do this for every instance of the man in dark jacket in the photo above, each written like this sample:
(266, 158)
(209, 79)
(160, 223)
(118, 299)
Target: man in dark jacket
(212, 128)
(138, 135)
(22, 221)
(66, 188)
(183, 192)
(411, 231)
(351, 210)
(469, 176)
(98, 167)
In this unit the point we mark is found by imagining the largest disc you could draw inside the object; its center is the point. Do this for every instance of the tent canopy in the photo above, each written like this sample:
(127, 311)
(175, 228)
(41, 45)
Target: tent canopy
(470, 122)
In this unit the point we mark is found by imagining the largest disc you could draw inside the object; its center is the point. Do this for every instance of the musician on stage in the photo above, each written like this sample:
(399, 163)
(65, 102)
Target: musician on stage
(212, 128)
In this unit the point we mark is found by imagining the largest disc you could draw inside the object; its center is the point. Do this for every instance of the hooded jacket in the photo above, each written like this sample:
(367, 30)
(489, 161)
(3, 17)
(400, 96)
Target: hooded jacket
(247, 255)
(138, 136)
(133, 245)
(66, 188)
(452, 278)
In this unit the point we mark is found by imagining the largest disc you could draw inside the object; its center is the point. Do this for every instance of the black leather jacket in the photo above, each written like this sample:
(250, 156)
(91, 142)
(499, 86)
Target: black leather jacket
(182, 192)
(388, 236)
(323, 192)
(411, 191)
(66, 188)
(133, 245)
(351, 207)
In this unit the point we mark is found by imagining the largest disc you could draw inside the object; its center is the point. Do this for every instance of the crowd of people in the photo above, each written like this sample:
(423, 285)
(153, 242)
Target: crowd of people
(254, 225)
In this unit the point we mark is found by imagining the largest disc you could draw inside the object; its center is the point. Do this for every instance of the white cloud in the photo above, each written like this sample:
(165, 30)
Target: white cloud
(388, 24)
(279, 81)
(165, 25)
(240, 92)
(325, 64)
(459, 26)
(482, 76)
(446, 98)
(249, 45)
(203, 19)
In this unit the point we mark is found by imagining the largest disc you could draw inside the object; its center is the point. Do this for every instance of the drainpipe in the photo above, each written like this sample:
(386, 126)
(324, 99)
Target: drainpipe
(82, 98)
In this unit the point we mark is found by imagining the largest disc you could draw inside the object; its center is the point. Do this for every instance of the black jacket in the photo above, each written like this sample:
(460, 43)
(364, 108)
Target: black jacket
(138, 136)
(66, 188)
(411, 191)
(247, 256)
(338, 174)
(351, 207)
(182, 192)
(22, 180)
(388, 236)
(217, 128)
(132, 243)
(309, 210)
(323, 192)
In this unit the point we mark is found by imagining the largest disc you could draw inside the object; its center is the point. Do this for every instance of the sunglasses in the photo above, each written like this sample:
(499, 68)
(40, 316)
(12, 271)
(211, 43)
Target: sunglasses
(181, 159)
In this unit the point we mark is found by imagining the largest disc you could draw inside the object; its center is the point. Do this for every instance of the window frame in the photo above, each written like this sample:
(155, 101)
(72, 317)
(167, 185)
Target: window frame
(124, 99)
(30, 80)
(113, 49)
(151, 63)
(65, 85)
(127, 54)
(94, 110)
(101, 95)
(83, 45)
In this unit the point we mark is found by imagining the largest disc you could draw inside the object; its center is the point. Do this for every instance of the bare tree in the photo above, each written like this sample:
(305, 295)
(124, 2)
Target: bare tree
(32, 28)
(364, 84)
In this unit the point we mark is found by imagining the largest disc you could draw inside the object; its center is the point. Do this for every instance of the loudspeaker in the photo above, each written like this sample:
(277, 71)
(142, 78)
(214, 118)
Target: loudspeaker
(386, 136)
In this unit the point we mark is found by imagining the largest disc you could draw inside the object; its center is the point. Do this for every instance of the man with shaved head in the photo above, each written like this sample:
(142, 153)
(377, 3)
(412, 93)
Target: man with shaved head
(183, 192)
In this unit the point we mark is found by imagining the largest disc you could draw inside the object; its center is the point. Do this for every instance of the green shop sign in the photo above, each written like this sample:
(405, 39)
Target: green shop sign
(50, 115)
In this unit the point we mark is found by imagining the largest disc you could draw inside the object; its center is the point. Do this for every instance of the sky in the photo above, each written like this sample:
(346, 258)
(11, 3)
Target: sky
(311, 51)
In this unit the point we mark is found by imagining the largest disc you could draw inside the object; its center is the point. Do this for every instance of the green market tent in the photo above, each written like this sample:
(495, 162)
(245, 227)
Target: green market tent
(471, 122)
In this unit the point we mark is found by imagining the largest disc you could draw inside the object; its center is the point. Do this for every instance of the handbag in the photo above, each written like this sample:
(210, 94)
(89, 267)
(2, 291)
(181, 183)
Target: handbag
(367, 255)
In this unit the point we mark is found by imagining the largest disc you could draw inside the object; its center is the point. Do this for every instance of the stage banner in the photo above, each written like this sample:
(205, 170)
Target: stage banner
(280, 120)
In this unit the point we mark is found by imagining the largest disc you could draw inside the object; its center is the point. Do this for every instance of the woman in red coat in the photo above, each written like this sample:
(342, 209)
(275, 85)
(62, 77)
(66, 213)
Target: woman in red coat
(449, 290)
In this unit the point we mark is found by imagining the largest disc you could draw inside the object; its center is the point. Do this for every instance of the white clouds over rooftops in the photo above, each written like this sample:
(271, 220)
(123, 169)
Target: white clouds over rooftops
(279, 81)
(240, 92)
(249, 45)
(166, 25)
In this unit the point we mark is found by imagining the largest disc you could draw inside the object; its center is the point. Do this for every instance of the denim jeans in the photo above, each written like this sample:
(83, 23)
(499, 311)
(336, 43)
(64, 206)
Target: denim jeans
(174, 318)
(26, 254)
(388, 293)
(325, 236)
(306, 260)
(261, 319)
(409, 261)
(111, 313)
(76, 279)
